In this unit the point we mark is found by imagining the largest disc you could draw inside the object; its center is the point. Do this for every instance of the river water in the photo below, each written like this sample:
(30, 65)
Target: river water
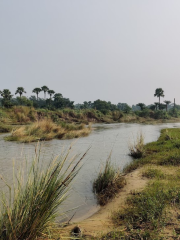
(103, 139)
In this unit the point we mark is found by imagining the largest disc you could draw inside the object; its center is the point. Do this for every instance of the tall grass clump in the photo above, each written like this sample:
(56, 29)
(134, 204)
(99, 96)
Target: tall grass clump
(108, 183)
(46, 129)
(32, 203)
(136, 149)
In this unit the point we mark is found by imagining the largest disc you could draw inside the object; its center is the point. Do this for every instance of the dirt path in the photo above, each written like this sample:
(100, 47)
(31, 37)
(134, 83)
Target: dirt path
(101, 221)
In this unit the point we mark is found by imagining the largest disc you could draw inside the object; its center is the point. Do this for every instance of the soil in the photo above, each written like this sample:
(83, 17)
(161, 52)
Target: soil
(101, 222)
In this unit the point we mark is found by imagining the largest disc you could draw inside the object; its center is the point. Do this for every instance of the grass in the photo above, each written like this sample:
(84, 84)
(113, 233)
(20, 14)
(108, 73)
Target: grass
(5, 128)
(153, 173)
(136, 149)
(32, 204)
(46, 130)
(108, 183)
(153, 212)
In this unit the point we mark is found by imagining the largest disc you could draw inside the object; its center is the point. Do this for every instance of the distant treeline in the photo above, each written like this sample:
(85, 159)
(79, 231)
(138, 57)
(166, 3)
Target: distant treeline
(57, 101)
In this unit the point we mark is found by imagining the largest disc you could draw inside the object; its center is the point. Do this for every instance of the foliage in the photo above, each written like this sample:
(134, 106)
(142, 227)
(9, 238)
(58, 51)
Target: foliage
(51, 92)
(141, 105)
(60, 102)
(20, 91)
(36, 198)
(160, 114)
(103, 106)
(124, 107)
(36, 91)
(167, 103)
(6, 101)
(44, 89)
(159, 92)
(23, 101)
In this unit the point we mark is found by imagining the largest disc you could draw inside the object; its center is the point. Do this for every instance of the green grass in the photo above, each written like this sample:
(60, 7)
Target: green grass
(32, 203)
(166, 151)
(153, 173)
(108, 183)
(146, 210)
(146, 213)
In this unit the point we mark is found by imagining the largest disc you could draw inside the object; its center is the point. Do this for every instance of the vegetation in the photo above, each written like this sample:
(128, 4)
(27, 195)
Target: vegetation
(56, 102)
(136, 149)
(153, 213)
(108, 183)
(159, 93)
(46, 130)
(36, 91)
(36, 198)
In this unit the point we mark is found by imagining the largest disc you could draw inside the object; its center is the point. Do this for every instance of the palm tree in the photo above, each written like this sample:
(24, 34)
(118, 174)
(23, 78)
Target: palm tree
(45, 89)
(6, 101)
(51, 92)
(6, 94)
(20, 91)
(36, 91)
(159, 93)
(167, 103)
(156, 104)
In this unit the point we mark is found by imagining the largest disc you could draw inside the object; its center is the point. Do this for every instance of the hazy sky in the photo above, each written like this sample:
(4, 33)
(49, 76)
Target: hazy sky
(114, 50)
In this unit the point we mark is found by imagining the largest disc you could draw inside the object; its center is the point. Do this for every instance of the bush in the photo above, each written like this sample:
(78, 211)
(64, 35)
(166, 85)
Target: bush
(160, 114)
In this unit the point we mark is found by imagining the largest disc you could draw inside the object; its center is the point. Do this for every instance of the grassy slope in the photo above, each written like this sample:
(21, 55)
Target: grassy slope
(154, 213)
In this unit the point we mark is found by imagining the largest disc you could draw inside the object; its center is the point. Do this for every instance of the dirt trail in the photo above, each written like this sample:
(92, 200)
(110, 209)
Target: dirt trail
(101, 221)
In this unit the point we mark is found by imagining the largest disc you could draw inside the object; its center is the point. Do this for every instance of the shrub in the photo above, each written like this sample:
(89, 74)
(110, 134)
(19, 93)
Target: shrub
(160, 114)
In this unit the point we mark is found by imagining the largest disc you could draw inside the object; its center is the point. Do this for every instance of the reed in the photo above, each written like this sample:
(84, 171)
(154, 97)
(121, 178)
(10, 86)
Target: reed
(136, 149)
(108, 183)
(46, 129)
(32, 204)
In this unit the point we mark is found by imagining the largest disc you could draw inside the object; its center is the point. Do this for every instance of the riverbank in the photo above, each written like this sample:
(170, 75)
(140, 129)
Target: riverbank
(67, 123)
(148, 207)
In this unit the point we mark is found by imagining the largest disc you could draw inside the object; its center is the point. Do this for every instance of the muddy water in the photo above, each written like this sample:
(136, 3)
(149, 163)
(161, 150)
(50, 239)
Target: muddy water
(102, 140)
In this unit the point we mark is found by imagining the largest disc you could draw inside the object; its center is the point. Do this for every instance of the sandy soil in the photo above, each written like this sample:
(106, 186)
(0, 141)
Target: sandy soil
(101, 221)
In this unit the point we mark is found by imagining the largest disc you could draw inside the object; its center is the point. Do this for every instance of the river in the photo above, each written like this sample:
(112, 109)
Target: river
(103, 139)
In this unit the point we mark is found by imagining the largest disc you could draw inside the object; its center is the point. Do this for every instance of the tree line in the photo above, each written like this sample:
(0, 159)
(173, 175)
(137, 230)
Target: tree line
(57, 101)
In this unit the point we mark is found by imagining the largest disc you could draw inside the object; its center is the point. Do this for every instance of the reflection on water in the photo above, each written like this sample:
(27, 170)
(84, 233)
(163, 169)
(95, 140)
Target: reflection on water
(102, 140)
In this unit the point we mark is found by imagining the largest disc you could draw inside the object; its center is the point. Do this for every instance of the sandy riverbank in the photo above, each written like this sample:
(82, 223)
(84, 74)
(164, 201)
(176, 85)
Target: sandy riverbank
(101, 221)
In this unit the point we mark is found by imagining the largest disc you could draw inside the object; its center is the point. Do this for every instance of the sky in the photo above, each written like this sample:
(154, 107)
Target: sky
(113, 50)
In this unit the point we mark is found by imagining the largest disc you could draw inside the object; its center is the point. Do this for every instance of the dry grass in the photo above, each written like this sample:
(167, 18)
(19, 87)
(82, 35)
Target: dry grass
(47, 130)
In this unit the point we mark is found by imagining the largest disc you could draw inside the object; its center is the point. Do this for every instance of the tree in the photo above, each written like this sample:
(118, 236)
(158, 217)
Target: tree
(6, 101)
(36, 91)
(167, 103)
(60, 102)
(159, 93)
(20, 91)
(51, 92)
(45, 89)
(156, 104)
(141, 105)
